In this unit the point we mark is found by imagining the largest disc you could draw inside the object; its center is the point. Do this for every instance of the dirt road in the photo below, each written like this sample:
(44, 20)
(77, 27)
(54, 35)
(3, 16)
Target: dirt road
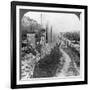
(66, 66)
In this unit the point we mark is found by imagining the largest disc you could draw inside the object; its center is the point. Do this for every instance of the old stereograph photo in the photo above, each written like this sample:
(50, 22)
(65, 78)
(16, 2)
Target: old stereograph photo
(49, 44)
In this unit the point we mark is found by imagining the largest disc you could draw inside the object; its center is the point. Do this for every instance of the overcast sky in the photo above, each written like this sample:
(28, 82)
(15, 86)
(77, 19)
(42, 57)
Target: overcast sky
(60, 22)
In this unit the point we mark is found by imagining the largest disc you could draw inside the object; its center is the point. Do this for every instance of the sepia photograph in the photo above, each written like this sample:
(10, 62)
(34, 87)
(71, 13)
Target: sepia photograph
(50, 44)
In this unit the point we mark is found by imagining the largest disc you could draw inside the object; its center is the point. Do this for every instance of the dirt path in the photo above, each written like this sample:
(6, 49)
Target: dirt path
(66, 65)
(67, 60)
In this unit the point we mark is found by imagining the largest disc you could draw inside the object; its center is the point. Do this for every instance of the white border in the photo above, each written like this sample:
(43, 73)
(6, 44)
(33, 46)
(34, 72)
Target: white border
(50, 80)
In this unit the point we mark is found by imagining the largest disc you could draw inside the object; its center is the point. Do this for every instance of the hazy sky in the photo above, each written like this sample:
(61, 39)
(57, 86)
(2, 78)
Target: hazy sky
(60, 22)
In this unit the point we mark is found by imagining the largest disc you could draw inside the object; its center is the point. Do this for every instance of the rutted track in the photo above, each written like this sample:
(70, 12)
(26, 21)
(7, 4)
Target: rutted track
(67, 65)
